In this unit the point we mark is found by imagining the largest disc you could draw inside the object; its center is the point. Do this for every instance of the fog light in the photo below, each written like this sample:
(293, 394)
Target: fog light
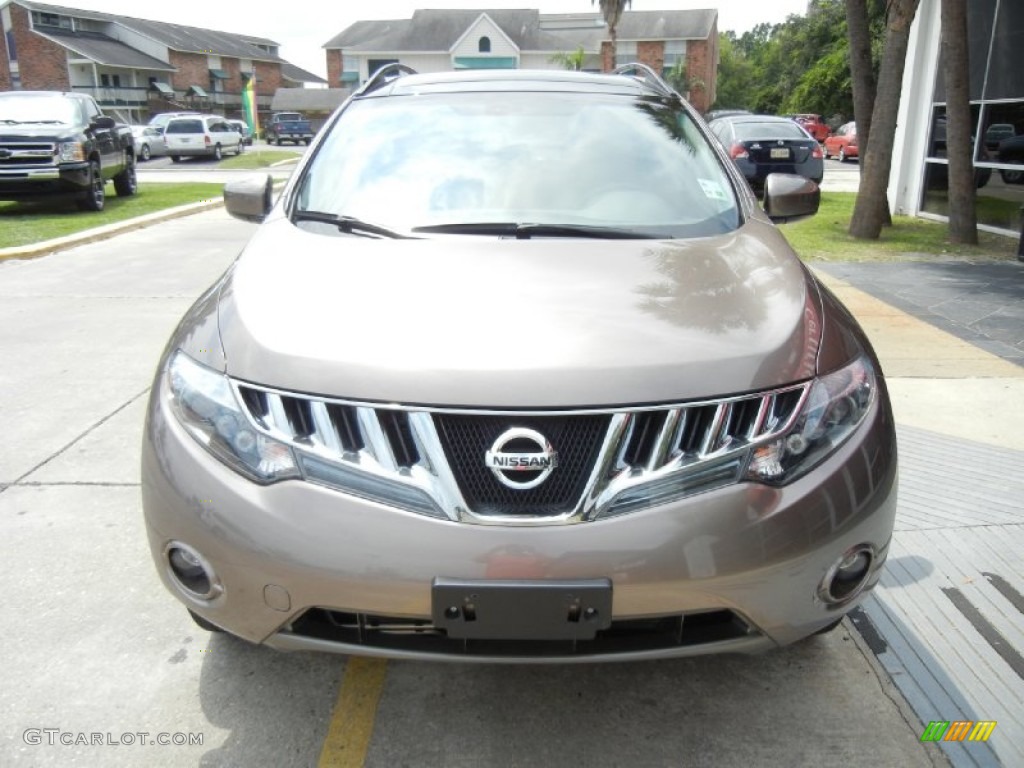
(191, 571)
(848, 575)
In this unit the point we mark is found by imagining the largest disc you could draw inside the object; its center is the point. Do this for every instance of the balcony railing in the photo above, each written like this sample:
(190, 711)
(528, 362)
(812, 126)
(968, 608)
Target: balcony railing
(115, 96)
(138, 97)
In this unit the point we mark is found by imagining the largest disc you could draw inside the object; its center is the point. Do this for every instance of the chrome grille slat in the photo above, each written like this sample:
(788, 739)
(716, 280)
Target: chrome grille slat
(276, 417)
(376, 442)
(325, 435)
(639, 448)
(663, 446)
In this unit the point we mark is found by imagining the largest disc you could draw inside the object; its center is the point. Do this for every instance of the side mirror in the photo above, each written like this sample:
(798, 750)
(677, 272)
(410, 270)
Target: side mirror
(788, 197)
(250, 199)
(104, 122)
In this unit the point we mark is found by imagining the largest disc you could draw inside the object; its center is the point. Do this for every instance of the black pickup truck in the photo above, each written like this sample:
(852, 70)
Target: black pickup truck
(61, 144)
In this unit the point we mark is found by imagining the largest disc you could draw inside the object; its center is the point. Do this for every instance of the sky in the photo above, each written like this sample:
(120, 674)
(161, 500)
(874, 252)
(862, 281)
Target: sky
(303, 27)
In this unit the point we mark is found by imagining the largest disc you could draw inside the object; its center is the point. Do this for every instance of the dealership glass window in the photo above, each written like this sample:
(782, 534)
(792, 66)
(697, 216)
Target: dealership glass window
(996, 38)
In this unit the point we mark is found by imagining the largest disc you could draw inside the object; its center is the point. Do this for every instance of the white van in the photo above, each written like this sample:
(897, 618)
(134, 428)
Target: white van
(206, 135)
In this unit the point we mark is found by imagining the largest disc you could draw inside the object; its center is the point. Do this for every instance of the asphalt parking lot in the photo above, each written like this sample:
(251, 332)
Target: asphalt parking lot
(97, 653)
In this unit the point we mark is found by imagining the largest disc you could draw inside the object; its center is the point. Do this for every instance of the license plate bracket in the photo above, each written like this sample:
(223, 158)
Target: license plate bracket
(514, 609)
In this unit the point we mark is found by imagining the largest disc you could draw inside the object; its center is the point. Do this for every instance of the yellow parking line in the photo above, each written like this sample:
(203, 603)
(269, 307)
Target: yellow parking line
(348, 737)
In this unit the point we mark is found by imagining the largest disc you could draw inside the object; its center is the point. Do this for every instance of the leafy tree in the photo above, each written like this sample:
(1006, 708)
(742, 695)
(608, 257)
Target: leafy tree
(573, 60)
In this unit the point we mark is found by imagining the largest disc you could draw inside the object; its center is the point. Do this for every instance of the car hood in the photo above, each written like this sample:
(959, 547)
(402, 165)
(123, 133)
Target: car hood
(485, 322)
(36, 131)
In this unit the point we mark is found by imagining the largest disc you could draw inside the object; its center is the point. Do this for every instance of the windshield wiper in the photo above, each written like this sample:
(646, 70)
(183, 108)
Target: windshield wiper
(350, 225)
(526, 231)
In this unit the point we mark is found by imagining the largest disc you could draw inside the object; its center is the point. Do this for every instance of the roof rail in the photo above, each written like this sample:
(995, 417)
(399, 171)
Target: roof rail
(648, 76)
(385, 75)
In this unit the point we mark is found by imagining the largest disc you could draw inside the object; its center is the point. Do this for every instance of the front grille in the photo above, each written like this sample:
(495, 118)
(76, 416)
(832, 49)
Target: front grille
(23, 154)
(576, 439)
(421, 636)
(609, 462)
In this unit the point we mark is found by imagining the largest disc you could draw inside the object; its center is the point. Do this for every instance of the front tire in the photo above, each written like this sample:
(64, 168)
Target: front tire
(94, 197)
(144, 153)
(239, 148)
(126, 182)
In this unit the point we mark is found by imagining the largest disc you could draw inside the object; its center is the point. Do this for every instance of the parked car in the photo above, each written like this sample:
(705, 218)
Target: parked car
(243, 130)
(160, 120)
(596, 408)
(1011, 150)
(763, 144)
(996, 133)
(55, 145)
(202, 135)
(814, 125)
(717, 113)
(288, 126)
(149, 142)
(843, 143)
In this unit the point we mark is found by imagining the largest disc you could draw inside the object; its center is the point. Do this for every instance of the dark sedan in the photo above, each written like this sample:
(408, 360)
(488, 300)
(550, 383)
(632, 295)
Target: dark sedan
(764, 144)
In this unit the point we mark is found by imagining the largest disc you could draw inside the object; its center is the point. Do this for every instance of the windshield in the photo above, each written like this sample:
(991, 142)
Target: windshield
(38, 109)
(782, 129)
(523, 158)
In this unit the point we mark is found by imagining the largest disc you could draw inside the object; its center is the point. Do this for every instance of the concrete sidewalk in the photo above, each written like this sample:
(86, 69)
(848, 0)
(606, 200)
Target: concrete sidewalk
(947, 620)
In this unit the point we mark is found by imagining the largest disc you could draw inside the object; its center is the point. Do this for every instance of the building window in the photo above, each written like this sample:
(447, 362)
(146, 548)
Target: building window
(484, 46)
(625, 53)
(40, 19)
(374, 64)
(675, 51)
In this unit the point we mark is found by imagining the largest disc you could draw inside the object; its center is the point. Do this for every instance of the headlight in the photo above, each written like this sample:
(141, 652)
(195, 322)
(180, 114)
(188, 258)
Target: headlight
(835, 406)
(71, 151)
(206, 406)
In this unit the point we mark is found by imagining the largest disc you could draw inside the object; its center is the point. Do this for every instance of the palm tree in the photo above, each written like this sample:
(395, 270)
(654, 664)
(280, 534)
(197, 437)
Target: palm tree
(572, 61)
(612, 11)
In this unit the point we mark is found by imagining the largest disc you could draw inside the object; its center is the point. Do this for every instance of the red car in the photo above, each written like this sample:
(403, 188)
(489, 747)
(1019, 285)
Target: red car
(843, 144)
(814, 125)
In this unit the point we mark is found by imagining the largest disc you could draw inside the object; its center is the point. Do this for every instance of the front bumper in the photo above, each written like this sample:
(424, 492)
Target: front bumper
(27, 182)
(300, 566)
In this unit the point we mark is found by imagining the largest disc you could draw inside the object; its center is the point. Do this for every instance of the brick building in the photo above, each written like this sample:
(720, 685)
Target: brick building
(441, 40)
(135, 67)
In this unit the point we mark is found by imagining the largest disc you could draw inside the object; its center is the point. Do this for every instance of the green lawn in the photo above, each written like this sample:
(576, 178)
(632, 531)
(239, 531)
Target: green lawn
(825, 237)
(25, 223)
(258, 158)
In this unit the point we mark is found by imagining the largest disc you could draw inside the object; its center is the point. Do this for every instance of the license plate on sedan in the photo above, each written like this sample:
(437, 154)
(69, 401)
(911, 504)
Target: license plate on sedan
(780, 153)
(514, 609)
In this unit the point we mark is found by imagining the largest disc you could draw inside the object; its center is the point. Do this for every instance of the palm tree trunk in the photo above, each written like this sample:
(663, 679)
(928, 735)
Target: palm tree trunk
(963, 221)
(871, 211)
(862, 74)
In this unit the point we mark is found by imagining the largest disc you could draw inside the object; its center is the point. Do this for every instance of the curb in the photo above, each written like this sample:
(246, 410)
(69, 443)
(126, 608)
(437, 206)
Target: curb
(107, 231)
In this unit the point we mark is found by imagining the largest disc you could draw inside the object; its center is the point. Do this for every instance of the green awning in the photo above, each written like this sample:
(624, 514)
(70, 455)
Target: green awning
(195, 90)
(485, 62)
(220, 74)
(163, 88)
